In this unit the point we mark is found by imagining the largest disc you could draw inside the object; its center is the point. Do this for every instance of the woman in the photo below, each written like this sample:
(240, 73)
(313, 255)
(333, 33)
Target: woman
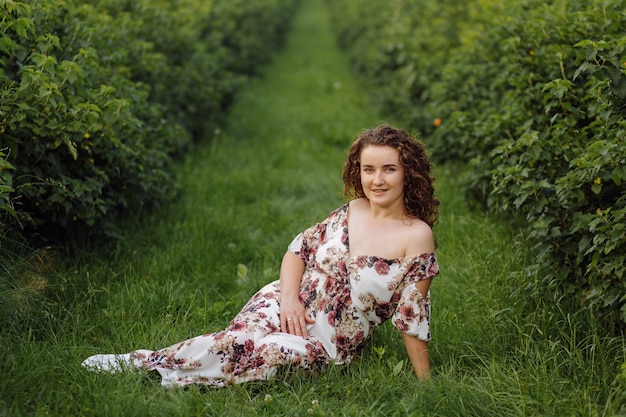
(370, 260)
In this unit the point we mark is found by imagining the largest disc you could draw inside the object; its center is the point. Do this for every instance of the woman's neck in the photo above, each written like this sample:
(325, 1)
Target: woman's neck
(382, 213)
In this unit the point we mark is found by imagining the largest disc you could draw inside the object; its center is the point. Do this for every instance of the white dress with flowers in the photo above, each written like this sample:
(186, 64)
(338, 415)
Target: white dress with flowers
(347, 296)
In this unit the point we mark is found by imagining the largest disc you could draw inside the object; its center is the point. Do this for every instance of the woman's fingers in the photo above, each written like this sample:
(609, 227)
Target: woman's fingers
(291, 326)
(304, 320)
(295, 320)
(301, 330)
(309, 319)
(297, 325)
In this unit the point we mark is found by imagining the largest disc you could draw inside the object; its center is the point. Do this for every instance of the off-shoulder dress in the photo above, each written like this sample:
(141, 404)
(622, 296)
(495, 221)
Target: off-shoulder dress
(348, 296)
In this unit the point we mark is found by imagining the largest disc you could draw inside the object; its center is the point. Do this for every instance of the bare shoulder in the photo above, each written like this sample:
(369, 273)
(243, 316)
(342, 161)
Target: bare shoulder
(419, 238)
(359, 204)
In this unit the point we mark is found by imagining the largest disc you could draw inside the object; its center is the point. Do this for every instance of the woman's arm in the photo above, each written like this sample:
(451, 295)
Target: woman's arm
(293, 316)
(418, 354)
(417, 348)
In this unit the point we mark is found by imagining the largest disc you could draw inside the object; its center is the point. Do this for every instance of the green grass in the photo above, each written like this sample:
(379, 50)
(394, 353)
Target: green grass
(188, 268)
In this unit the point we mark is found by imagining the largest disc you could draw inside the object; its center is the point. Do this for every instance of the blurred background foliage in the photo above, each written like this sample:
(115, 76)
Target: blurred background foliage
(98, 97)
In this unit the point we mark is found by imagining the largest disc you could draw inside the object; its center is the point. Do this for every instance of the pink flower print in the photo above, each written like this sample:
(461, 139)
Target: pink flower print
(271, 327)
(332, 315)
(433, 269)
(359, 337)
(344, 299)
(401, 325)
(384, 310)
(342, 340)
(412, 270)
(248, 346)
(395, 297)
(381, 267)
(361, 262)
(328, 284)
(407, 312)
(238, 326)
(321, 230)
(257, 362)
(177, 361)
(341, 267)
(314, 352)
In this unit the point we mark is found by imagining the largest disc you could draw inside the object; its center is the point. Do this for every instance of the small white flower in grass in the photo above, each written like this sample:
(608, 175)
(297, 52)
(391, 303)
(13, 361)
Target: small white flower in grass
(268, 398)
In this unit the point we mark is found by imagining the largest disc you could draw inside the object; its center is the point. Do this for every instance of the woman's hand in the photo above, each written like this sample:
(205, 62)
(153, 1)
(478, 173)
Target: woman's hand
(294, 318)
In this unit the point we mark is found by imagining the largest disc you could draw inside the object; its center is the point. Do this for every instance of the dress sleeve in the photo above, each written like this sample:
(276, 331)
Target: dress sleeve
(412, 315)
(306, 243)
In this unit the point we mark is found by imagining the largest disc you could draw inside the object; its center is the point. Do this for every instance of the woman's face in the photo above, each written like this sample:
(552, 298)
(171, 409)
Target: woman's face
(382, 175)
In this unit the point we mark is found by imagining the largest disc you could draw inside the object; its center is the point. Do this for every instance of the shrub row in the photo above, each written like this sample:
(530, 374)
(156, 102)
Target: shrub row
(532, 96)
(96, 99)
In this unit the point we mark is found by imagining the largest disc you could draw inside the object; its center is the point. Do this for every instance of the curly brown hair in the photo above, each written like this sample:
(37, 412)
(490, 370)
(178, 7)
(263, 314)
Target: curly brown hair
(419, 194)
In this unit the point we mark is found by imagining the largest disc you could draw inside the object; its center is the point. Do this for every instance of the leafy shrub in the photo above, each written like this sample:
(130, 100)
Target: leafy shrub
(96, 99)
(6, 188)
(531, 95)
(400, 48)
(74, 126)
(568, 178)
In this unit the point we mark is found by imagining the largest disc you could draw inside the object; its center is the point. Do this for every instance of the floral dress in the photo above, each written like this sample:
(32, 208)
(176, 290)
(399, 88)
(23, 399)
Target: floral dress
(347, 296)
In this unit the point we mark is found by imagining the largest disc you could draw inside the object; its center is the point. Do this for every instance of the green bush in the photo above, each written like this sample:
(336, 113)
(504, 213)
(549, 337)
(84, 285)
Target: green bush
(400, 47)
(532, 96)
(568, 178)
(6, 188)
(71, 124)
(96, 99)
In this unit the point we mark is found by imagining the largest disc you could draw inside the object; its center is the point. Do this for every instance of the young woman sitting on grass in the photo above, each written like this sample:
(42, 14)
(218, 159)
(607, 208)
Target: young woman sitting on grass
(370, 260)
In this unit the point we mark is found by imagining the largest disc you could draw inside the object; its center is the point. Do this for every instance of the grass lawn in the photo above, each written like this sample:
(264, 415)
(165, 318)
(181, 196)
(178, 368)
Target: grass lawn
(188, 268)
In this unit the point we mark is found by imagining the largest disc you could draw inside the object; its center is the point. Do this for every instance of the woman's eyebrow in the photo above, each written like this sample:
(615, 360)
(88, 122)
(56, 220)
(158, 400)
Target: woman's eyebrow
(384, 165)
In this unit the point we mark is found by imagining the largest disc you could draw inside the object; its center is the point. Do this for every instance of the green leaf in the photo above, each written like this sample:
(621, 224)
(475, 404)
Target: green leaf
(596, 188)
(71, 146)
(23, 25)
(618, 175)
(583, 68)
(398, 368)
